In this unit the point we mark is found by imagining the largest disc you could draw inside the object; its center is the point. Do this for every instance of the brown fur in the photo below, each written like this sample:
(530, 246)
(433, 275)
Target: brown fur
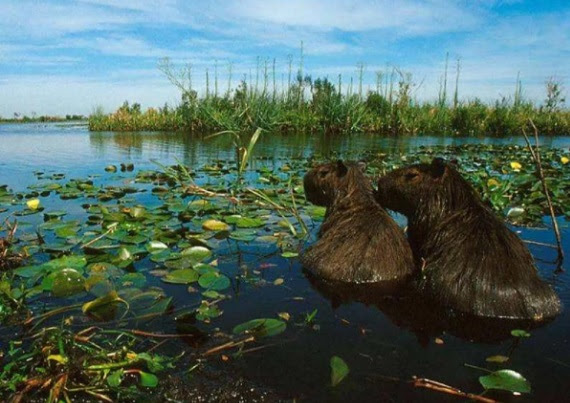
(359, 242)
(470, 260)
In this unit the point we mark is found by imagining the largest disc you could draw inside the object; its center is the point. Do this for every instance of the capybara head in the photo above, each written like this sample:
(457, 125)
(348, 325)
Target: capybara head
(437, 184)
(323, 182)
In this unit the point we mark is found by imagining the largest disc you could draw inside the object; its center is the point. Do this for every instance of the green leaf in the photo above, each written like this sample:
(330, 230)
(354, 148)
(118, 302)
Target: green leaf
(196, 254)
(339, 370)
(520, 333)
(181, 276)
(103, 302)
(505, 379)
(497, 358)
(214, 281)
(289, 254)
(261, 327)
(244, 235)
(215, 225)
(66, 282)
(148, 380)
(115, 378)
(249, 222)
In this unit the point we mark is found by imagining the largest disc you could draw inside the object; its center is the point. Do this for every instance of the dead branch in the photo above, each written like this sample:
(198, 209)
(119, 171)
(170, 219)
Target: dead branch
(450, 390)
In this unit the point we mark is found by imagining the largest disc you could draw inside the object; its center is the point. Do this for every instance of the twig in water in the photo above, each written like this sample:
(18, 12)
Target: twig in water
(229, 344)
(535, 153)
(443, 388)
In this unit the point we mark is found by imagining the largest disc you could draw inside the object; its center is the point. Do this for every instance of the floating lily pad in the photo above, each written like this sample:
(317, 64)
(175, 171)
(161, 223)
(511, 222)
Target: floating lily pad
(505, 379)
(181, 276)
(214, 281)
(67, 282)
(261, 327)
(339, 370)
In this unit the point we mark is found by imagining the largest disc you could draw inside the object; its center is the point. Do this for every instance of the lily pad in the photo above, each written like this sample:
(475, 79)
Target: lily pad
(214, 281)
(215, 225)
(181, 276)
(339, 370)
(261, 327)
(505, 379)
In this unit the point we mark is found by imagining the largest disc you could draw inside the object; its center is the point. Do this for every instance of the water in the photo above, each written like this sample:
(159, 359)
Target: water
(379, 341)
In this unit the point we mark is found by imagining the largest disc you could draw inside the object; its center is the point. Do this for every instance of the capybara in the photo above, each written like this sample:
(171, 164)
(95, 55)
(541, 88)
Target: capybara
(470, 261)
(358, 241)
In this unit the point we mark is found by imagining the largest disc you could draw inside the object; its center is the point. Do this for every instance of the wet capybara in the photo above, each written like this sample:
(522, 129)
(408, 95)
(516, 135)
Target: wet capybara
(358, 241)
(470, 261)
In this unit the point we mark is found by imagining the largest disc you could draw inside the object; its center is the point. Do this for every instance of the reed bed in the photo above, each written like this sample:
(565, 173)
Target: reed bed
(302, 103)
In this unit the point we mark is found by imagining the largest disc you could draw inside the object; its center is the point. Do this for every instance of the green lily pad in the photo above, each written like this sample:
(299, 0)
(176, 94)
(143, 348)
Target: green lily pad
(215, 225)
(181, 276)
(505, 379)
(339, 370)
(67, 282)
(261, 327)
(214, 281)
(196, 254)
(249, 222)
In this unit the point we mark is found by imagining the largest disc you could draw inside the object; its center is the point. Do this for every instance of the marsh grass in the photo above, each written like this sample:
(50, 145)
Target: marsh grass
(302, 103)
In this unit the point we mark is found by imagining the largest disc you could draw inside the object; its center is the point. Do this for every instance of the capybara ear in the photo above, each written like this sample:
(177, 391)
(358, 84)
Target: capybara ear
(341, 169)
(438, 167)
(362, 165)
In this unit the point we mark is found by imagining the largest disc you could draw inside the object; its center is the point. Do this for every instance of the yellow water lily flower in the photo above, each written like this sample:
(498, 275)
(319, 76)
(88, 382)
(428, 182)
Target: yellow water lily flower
(564, 160)
(516, 166)
(492, 182)
(33, 204)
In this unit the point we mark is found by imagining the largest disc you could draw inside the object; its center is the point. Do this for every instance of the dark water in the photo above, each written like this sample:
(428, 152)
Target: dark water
(379, 340)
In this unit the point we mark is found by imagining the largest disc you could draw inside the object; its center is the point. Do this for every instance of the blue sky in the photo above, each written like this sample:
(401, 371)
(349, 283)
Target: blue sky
(59, 57)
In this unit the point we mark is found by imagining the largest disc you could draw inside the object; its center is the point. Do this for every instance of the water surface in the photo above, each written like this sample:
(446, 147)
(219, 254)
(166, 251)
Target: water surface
(379, 341)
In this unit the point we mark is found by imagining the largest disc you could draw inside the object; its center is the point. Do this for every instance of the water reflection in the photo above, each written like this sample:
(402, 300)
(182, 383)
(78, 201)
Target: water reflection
(197, 148)
(410, 311)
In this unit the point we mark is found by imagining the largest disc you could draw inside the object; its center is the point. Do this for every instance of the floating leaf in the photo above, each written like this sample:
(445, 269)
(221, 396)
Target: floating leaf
(248, 222)
(181, 276)
(156, 247)
(244, 235)
(67, 282)
(515, 212)
(339, 370)
(215, 225)
(520, 333)
(214, 281)
(497, 358)
(115, 377)
(284, 315)
(148, 380)
(196, 254)
(289, 254)
(505, 379)
(261, 327)
(278, 281)
(103, 307)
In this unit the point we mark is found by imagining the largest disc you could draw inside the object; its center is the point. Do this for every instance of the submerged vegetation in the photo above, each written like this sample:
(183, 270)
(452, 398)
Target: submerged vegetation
(303, 103)
(116, 268)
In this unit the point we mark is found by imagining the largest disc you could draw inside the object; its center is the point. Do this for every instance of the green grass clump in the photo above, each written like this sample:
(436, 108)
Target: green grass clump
(319, 105)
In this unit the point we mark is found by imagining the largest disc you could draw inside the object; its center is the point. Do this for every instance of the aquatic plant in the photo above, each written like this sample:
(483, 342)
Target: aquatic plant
(304, 103)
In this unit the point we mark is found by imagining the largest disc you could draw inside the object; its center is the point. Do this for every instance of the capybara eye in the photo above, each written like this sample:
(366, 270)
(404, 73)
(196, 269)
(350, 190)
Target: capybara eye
(411, 175)
(324, 173)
